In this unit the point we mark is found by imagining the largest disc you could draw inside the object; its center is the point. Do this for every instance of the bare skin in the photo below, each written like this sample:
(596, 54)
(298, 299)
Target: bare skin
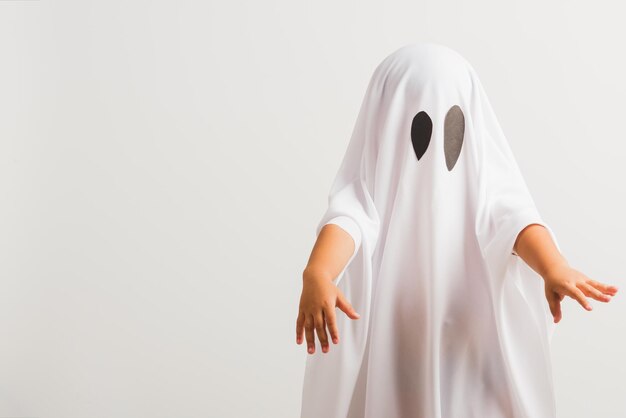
(334, 246)
(320, 295)
(535, 246)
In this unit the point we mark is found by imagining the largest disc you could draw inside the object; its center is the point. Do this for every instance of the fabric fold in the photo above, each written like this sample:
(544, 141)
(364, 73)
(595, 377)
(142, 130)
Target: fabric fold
(330, 381)
(523, 320)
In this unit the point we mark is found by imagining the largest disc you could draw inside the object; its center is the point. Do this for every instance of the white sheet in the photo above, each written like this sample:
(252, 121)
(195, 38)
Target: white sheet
(453, 323)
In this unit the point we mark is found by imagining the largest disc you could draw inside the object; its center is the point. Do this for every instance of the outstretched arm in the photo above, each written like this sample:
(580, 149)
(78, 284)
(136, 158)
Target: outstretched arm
(331, 252)
(535, 246)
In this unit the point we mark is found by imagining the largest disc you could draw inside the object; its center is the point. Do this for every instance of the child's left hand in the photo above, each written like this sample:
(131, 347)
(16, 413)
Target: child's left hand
(565, 281)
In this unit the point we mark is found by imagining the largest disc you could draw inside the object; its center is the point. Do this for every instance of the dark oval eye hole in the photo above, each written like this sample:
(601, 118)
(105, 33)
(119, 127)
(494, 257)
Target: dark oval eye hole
(453, 131)
(421, 130)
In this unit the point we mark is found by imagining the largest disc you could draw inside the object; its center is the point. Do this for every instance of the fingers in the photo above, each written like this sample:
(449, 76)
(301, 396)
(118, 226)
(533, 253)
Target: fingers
(554, 301)
(331, 322)
(299, 327)
(604, 288)
(346, 307)
(308, 332)
(577, 294)
(572, 283)
(321, 331)
(318, 323)
(591, 291)
(316, 319)
(557, 310)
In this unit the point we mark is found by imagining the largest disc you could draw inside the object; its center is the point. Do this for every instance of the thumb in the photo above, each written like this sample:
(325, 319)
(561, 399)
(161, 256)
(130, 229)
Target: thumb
(345, 306)
(554, 300)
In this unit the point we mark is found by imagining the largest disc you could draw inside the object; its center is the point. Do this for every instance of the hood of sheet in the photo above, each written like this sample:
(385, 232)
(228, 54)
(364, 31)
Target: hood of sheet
(431, 193)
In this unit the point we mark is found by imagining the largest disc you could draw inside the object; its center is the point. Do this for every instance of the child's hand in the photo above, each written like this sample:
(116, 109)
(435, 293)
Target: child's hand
(564, 280)
(319, 298)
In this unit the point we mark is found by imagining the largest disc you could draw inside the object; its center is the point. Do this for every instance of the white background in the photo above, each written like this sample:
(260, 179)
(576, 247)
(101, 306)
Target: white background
(163, 166)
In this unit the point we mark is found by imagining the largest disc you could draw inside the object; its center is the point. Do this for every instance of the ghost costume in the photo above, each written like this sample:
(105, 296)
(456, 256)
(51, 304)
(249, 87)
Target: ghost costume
(453, 323)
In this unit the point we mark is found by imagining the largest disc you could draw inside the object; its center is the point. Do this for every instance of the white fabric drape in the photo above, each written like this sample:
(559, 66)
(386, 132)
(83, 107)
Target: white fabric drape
(453, 323)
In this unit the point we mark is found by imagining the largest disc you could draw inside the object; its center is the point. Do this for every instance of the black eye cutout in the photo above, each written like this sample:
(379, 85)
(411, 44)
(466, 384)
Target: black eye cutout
(421, 129)
(453, 134)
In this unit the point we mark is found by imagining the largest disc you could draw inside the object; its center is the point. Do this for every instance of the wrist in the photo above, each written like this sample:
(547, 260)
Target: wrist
(553, 267)
(316, 274)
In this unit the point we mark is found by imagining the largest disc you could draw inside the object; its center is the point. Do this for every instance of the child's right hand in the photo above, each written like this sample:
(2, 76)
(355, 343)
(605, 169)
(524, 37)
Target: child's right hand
(319, 298)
